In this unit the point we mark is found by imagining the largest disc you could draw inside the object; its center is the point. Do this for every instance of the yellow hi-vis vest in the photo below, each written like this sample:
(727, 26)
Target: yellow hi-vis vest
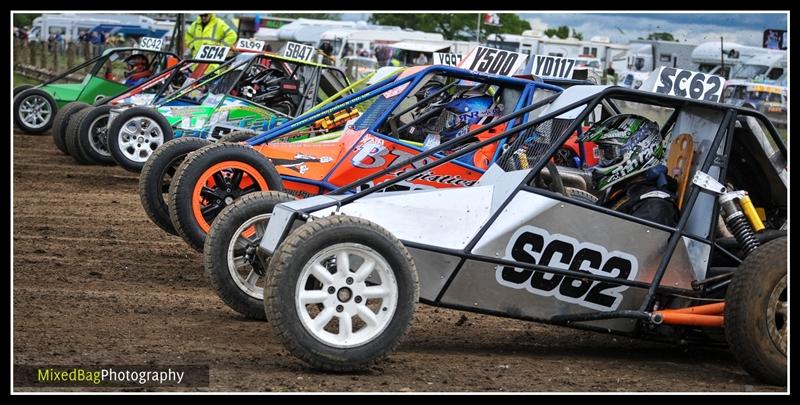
(216, 32)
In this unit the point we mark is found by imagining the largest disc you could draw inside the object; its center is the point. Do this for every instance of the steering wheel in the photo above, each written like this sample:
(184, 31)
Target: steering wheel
(556, 183)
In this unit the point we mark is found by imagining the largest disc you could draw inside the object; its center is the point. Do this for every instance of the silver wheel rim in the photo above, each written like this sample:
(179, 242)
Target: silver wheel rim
(98, 135)
(35, 111)
(348, 312)
(778, 315)
(239, 267)
(139, 137)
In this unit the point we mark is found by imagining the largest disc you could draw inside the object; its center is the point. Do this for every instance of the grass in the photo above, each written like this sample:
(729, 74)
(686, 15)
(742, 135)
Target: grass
(20, 79)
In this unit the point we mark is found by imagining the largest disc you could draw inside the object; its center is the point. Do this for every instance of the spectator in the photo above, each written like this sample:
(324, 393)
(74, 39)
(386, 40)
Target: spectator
(421, 59)
(60, 45)
(207, 29)
(610, 76)
(23, 35)
(51, 40)
(327, 52)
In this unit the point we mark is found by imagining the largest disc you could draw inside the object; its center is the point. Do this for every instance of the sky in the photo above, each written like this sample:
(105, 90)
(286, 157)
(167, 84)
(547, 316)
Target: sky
(745, 28)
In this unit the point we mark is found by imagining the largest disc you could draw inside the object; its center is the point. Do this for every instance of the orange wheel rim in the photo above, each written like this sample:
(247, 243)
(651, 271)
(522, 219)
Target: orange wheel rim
(219, 186)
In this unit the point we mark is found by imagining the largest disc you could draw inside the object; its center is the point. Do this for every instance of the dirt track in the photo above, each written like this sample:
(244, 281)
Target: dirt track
(96, 283)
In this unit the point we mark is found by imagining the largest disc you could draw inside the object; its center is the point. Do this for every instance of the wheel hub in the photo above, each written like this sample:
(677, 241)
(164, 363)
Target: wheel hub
(344, 294)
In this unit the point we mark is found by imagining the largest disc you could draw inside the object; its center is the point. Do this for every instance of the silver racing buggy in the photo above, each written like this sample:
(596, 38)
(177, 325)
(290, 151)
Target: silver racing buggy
(345, 270)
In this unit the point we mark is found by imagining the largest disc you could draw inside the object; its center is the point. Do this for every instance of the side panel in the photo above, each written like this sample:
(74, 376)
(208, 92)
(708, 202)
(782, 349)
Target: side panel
(96, 88)
(540, 230)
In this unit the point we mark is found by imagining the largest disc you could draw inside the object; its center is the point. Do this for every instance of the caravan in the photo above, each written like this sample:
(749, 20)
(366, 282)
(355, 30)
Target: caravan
(719, 58)
(347, 42)
(71, 26)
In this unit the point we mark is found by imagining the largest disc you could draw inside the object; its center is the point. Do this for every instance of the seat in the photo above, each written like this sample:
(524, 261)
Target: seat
(679, 162)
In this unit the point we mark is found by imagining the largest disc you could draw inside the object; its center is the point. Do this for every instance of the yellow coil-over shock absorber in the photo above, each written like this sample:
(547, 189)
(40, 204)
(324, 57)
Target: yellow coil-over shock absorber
(741, 221)
(522, 159)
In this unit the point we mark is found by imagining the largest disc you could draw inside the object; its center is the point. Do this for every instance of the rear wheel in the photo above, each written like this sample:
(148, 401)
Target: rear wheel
(72, 134)
(34, 111)
(756, 313)
(236, 273)
(157, 175)
(341, 293)
(61, 121)
(211, 179)
(91, 137)
(135, 134)
(238, 136)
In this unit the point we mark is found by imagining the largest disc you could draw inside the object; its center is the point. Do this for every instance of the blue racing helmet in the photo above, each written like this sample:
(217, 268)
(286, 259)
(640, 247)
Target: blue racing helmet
(460, 113)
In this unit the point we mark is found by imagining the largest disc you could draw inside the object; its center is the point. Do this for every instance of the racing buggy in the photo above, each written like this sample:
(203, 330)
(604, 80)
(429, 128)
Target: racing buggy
(35, 107)
(345, 271)
(413, 112)
(80, 130)
(238, 278)
(255, 91)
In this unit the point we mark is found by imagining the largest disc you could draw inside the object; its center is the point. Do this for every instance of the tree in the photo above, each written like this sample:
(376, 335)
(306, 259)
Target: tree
(661, 36)
(22, 20)
(315, 16)
(455, 26)
(563, 32)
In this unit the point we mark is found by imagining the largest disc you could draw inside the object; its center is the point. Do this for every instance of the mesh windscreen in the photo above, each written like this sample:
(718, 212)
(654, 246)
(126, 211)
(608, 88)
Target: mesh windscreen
(525, 149)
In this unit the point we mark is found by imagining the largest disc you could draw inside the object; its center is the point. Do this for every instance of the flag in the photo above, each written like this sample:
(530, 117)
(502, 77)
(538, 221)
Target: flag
(491, 19)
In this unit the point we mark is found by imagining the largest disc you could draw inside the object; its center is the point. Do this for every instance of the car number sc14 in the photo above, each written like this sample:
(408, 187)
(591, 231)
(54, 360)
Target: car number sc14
(212, 53)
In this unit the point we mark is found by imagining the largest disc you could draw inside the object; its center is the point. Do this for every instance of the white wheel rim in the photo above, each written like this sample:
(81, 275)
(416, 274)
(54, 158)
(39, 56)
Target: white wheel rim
(139, 137)
(778, 315)
(335, 305)
(35, 111)
(239, 267)
(98, 135)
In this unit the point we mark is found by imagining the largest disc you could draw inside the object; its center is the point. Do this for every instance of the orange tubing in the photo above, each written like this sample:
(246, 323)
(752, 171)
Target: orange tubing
(678, 318)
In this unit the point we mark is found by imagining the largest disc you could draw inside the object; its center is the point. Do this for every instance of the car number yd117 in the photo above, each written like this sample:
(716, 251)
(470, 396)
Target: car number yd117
(685, 83)
(552, 66)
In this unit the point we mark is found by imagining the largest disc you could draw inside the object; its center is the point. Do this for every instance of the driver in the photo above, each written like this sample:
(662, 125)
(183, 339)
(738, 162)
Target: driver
(137, 70)
(459, 114)
(630, 173)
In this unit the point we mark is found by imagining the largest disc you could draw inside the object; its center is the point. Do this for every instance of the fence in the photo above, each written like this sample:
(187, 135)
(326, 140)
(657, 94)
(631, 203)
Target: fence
(43, 60)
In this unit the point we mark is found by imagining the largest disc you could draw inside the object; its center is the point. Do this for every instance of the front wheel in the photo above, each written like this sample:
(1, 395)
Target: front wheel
(135, 134)
(210, 180)
(757, 313)
(341, 293)
(34, 111)
(236, 273)
(157, 175)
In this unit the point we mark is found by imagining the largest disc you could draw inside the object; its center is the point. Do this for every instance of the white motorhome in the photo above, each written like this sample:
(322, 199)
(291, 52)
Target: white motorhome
(768, 68)
(347, 42)
(645, 56)
(719, 58)
(406, 51)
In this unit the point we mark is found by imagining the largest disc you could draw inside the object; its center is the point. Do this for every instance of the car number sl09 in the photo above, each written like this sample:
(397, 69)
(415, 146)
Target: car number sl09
(250, 44)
